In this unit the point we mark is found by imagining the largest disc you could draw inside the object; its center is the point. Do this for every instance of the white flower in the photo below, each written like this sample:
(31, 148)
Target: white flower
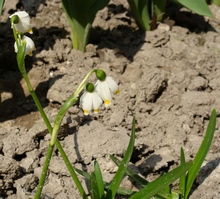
(30, 47)
(23, 24)
(90, 101)
(104, 89)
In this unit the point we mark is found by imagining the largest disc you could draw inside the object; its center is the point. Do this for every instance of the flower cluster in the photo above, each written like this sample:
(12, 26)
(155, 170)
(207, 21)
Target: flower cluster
(96, 94)
(20, 22)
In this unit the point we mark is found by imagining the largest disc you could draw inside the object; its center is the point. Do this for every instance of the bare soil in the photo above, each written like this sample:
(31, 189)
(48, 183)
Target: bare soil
(169, 79)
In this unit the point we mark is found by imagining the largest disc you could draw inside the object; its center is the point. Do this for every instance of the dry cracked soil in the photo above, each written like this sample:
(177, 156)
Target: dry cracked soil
(168, 78)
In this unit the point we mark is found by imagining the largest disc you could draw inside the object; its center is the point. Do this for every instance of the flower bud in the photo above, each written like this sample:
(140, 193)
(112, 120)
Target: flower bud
(90, 87)
(15, 19)
(100, 74)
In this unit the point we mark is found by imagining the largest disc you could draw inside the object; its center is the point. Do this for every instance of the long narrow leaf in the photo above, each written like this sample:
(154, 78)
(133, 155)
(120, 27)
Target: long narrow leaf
(99, 179)
(141, 13)
(120, 190)
(198, 6)
(94, 190)
(1, 5)
(182, 185)
(159, 8)
(201, 154)
(138, 179)
(114, 185)
(162, 182)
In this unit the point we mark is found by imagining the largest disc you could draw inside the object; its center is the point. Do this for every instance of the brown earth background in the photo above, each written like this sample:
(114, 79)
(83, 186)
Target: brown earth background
(169, 78)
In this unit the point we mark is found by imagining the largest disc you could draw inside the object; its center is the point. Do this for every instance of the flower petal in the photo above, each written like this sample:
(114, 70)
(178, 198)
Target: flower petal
(30, 47)
(104, 92)
(86, 102)
(24, 22)
(112, 84)
(96, 102)
(89, 101)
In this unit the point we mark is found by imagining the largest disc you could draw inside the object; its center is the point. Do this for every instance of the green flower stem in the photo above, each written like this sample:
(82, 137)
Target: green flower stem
(14, 33)
(58, 145)
(21, 65)
(45, 168)
(68, 103)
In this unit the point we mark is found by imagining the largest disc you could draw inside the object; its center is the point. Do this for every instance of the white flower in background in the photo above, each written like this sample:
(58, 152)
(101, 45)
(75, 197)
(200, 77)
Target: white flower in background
(30, 47)
(90, 100)
(23, 24)
(105, 87)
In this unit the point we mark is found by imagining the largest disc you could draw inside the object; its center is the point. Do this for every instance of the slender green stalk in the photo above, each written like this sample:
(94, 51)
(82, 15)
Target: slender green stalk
(68, 103)
(15, 34)
(1, 5)
(44, 172)
(21, 65)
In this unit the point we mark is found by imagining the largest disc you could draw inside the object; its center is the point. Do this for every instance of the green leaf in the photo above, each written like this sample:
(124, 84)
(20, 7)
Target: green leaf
(94, 190)
(99, 179)
(159, 8)
(114, 185)
(174, 195)
(201, 154)
(162, 182)
(138, 179)
(141, 12)
(21, 56)
(83, 173)
(120, 190)
(81, 14)
(1, 5)
(198, 6)
(216, 2)
(182, 185)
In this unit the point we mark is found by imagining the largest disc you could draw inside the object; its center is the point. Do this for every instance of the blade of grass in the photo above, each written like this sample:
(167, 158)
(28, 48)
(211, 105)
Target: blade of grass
(201, 154)
(162, 182)
(159, 8)
(174, 195)
(141, 181)
(120, 190)
(99, 179)
(94, 190)
(140, 10)
(138, 179)
(114, 185)
(182, 185)
(1, 5)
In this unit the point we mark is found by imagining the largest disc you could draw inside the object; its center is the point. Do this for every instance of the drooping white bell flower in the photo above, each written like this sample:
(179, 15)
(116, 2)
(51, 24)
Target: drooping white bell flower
(30, 46)
(105, 87)
(90, 100)
(23, 23)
